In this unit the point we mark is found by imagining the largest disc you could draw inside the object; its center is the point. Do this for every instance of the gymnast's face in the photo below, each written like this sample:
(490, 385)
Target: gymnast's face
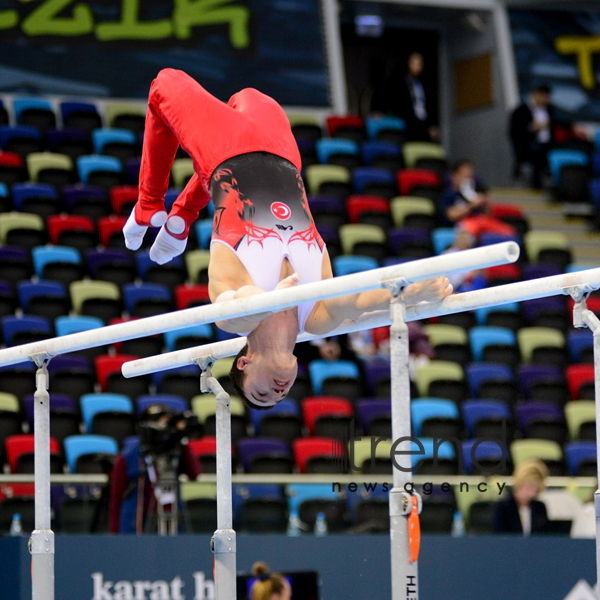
(268, 379)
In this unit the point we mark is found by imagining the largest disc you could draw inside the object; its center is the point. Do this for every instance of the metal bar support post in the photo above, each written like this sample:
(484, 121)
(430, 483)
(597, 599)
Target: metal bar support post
(405, 584)
(41, 543)
(223, 543)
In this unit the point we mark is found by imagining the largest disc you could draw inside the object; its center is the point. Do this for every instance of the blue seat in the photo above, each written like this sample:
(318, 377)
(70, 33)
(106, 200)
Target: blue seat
(474, 410)
(577, 452)
(175, 403)
(579, 266)
(445, 450)
(75, 324)
(203, 332)
(319, 370)
(488, 238)
(170, 196)
(133, 293)
(8, 133)
(482, 313)
(299, 492)
(281, 408)
(102, 137)
(375, 125)
(428, 408)
(480, 372)
(67, 109)
(442, 238)
(482, 336)
(3, 190)
(485, 449)
(371, 149)
(577, 341)
(92, 404)
(364, 176)
(325, 147)
(28, 290)
(80, 445)
(43, 255)
(253, 491)
(12, 325)
(91, 163)
(144, 262)
(24, 191)
(22, 104)
(249, 448)
(346, 264)
(560, 157)
(595, 192)
(183, 371)
(204, 232)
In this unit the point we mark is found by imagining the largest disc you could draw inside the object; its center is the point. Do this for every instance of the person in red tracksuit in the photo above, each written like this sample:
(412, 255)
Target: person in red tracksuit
(264, 238)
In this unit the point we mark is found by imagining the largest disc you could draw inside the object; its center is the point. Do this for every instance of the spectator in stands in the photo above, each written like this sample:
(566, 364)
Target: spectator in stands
(519, 512)
(531, 133)
(414, 102)
(270, 586)
(132, 481)
(468, 202)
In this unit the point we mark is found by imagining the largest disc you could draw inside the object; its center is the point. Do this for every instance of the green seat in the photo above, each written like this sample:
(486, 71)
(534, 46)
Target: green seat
(316, 175)
(9, 402)
(468, 496)
(402, 206)
(181, 171)
(437, 369)
(445, 334)
(362, 450)
(16, 220)
(527, 449)
(118, 109)
(353, 233)
(84, 290)
(222, 367)
(303, 119)
(196, 261)
(190, 490)
(204, 406)
(530, 338)
(415, 151)
(538, 240)
(40, 161)
(578, 412)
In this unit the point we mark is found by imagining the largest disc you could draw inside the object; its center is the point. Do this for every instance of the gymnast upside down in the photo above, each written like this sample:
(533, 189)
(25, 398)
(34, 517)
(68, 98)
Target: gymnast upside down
(264, 237)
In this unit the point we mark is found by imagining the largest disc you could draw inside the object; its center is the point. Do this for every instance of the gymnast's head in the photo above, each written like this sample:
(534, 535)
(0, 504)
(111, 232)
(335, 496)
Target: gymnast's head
(263, 379)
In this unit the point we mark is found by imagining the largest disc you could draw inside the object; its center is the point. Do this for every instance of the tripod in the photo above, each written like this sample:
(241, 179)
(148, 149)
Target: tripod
(162, 471)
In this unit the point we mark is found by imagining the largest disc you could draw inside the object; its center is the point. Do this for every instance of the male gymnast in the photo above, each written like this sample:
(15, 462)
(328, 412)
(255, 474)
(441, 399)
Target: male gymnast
(264, 237)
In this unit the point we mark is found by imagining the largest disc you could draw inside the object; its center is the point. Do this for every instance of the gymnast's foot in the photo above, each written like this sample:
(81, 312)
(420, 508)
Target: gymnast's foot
(134, 232)
(170, 241)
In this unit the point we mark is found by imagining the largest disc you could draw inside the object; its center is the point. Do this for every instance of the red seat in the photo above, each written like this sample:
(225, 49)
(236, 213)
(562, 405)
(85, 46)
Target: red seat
(500, 211)
(593, 304)
(306, 448)
(358, 204)
(205, 446)
(350, 121)
(17, 445)
(186, 295)
(503, 273)
(577, 375)
(122, 194)
(409, 178)
(10, 159)
(12, 490)
(321, 406)
(108, 226)
(57, 224)
(381, 335)
(106, 365)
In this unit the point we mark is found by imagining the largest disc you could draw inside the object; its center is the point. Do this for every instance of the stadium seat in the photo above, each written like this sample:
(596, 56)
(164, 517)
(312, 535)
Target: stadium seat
(80, 115)
(260, 455)
(36, 198)
(110, 231)
(414, 212)
(474, 411)
(581, 458)
(196, 262)
(415, 151)
(374, 181)
(383, 155)
(362, 208)
(408, 179)
(501, 274)
(434, 370)
(34, 112)
(580, 377)
(205, 449)
(307, 500)
(182, 171)
(409, 244)
(305, 127)
(477, 373)
(560, 157)
(333, 180)
(370, 409)
(260, 508)
(426, 409)
(108, 414)
(103, 171)
(327, 211)
(24, 329)
(18, 379)
(345, 265)
(324, 406)
(541, 420)
(47, 299)
(21, 139)
(105, 264)
(338, 151)
(71, 375)
(353, 234)
(486, 452)
(22, 229)
(126, 115)
(100, 299)
(83, 451)
(538, 241)
(351, 127)
(147, 299)
(184, 381)
(123, 199)
(11, 168)
(578, 412)
(172, 274)
(70, 142)
(494, 344)
(580, 343)
(87, 201)
(119, 143)
(189, 337)
(170, 401)
(204, 229)
(531, 338)
(187, 296)
(317, 454)
(72, 230)
(50, 168)
(10, 420)
(321, 370)
(19, 453)
(385, 127)
(108, 371)
(56, 263)
(546, 450)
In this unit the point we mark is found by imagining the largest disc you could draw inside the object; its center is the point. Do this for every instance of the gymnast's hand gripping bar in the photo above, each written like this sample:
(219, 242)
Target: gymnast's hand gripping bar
(477, 258)
(512, 292)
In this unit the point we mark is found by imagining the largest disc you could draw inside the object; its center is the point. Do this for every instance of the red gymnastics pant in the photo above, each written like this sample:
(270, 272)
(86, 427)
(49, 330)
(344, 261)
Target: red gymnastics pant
(182, 113)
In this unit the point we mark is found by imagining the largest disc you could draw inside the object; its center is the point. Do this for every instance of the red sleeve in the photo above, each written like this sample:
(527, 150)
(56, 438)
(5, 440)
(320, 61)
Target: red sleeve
(190, 202)
(119, 483)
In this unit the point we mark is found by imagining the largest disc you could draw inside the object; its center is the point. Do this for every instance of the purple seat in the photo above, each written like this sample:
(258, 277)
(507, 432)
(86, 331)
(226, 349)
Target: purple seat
(374, 372)
(78, 193)
(69, 363)
(97, 258)
(528, 411)
(329, 234)
(14, 253)
(531, 374)
(534, 308)
(326, 204)
(58, 138)
(477, 373)
(132, 170)
(249, 448)
(399, 238)
(535, 271)
(58, 402)
(474, 410)
(369, 408)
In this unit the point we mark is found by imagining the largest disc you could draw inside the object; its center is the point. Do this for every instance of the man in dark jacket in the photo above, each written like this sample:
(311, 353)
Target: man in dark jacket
(531, 133)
